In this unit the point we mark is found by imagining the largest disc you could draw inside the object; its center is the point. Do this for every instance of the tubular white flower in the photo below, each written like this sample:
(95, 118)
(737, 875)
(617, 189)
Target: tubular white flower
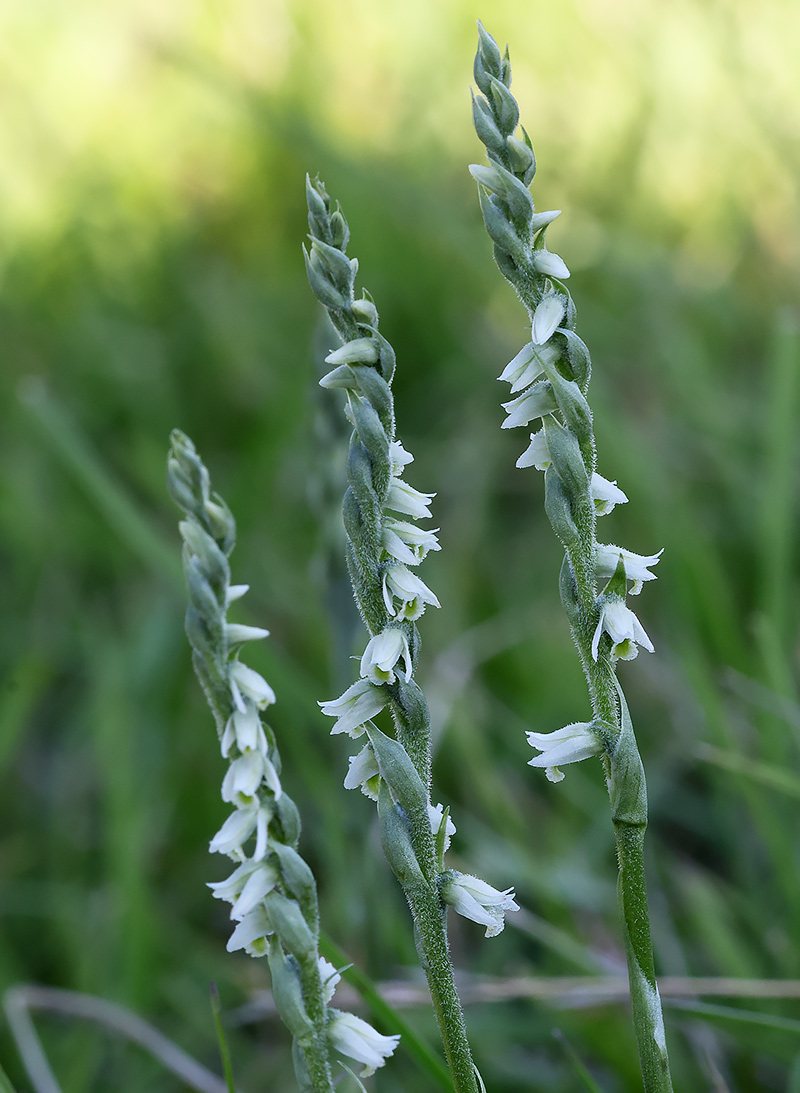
(537, 454)
(236, 632)
(636, 565)
(363, 772)
(359, 704)
(413, 593)
(404, 498)
(547, 318)
(244, 729)
(261, 881)
(406, 542)
(246, 683)
(235, 592)
(235, 831)
(436, 815)
(231, 888)
(568, 745)
(357, 351)
(359, 1040)
(251, 933)
(535, 402)
(624, 629)
(605, 494)
(553, 265)
(330, 978)
(399, 458)
(382, 654)
(238, 828)
(243, 776)
(475, 899)
(528, 365)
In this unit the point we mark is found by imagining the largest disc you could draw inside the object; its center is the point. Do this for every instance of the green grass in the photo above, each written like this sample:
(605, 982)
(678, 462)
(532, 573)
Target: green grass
(145, 304)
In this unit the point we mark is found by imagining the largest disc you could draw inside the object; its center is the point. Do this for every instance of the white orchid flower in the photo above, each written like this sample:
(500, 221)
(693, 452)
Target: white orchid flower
(382, 654)
(475, 899)
(568, 745)
(636, 565)
(359, 1040)
(547, 318)
(624, 629)
(359, 704)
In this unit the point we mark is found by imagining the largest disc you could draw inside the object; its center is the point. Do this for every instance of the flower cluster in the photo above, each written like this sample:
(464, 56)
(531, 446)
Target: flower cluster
(548, 379)
(386, 544)
(271, 890)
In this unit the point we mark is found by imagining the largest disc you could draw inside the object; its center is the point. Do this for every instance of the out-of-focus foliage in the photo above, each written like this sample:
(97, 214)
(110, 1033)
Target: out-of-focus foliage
(151, 210)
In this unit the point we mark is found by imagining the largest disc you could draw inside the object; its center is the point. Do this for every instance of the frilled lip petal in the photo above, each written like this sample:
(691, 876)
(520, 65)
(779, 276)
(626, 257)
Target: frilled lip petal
(636, 565)
(476, 900)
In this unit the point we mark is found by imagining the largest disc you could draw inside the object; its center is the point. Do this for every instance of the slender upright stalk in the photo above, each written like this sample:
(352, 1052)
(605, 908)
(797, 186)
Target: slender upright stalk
(383, 547)
(272, 891)
(552, 371)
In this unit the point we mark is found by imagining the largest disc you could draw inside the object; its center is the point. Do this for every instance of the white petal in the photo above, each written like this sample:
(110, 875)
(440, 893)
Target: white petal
(235, 633)
(404, 498)
(250, 933)
(359, 704)
(605, 494)
(357, 351)
(536, 402)
(330, 978)
(250, 684)
(359, 1040)
(236, 830)
(235, 592)
(399, 457)
(537, 454)
(547, 318)
(544, 261)
(261, 881)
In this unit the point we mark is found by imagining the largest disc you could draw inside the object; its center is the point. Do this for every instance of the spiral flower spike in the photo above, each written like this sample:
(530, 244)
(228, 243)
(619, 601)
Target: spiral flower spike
(385, 546)
(549, 379)
(271, 890)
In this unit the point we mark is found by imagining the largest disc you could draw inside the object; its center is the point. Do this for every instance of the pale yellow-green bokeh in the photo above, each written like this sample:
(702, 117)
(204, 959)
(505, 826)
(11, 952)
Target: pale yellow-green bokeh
(150, 99)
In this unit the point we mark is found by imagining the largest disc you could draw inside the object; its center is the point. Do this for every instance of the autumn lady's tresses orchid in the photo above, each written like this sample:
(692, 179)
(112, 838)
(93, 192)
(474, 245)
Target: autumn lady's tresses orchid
(568, 745)
(636, 565)
(359, 704)
(382, 654)
(626, 632)
(547, 318)
(476, 900)
(271, 891)
(552, 376)
(385, 545)
(360, 1041)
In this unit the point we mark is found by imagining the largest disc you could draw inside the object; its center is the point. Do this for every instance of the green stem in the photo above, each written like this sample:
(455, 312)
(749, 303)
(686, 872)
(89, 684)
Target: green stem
(645, 1001)
(428, 911)
(430, 918)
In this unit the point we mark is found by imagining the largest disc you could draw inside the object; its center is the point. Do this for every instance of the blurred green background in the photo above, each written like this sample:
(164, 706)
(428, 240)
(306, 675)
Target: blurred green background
(151, 212)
